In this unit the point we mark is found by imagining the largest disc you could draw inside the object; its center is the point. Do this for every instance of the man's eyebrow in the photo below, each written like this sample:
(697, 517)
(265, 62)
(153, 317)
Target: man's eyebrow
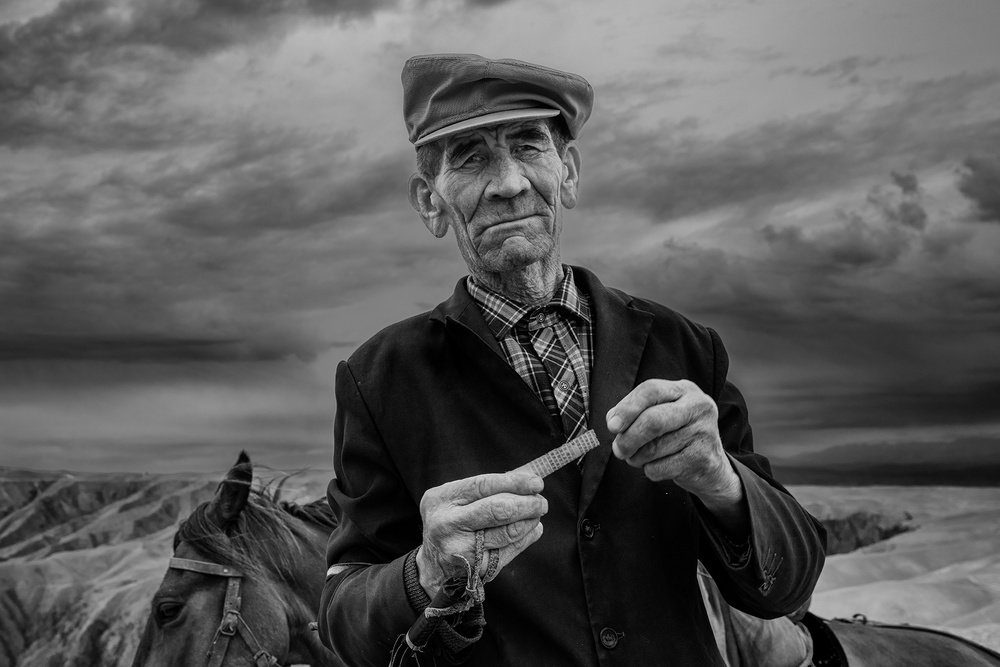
(461, 146)
(529, 133)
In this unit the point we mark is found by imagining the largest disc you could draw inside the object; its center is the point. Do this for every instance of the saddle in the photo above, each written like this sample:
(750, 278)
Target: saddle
(827, 651)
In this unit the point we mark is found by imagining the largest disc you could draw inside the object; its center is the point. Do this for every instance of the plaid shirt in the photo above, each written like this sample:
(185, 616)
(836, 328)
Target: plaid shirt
(568, 313)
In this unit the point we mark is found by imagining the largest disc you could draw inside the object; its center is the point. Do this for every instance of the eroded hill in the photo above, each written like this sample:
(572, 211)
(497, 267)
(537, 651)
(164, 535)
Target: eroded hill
(82, 554)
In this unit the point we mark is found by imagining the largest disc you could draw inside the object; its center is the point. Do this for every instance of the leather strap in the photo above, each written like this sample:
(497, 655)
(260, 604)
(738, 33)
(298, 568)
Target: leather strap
(204, 568)
(229, 626)
(232, 621)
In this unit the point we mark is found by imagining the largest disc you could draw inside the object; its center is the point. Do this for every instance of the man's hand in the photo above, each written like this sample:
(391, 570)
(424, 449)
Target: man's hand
(507, 507)
(670, 429)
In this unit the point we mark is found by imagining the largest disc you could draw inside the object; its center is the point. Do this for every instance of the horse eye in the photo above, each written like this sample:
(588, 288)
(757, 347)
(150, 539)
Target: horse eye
(167, 612)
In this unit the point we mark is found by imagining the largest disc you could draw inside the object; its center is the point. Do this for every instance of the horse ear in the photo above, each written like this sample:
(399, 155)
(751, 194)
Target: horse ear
(233, 492)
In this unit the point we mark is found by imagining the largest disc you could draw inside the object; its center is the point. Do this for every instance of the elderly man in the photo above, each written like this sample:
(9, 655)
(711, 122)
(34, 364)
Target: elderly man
(526, 354)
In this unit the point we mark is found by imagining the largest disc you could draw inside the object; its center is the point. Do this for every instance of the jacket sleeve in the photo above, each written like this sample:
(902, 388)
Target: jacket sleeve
(365, 607)
(787, 545)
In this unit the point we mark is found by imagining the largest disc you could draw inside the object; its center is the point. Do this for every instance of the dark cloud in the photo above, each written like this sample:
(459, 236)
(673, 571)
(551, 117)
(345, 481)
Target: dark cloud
(878, 316)
(697, 44)
(845, 69)
(222, 254)
(92, 73)
(191, 27)
(980, 182)
(875, 235)
(872, 401)
(839, 300)
(847, 246)
(130, 349)
(259, 181)
(824, 334)
(907, 183)
(907, 209)
(673, 170)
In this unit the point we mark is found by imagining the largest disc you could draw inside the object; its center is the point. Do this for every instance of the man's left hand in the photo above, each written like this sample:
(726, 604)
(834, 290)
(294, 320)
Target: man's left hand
(670, 429)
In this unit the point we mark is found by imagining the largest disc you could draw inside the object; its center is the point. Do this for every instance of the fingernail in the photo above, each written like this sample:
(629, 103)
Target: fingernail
(615, 423)
(615, 450)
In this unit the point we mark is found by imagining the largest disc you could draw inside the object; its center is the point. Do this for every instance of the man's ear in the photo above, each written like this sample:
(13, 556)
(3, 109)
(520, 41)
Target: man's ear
(428, 205)
(570, 187)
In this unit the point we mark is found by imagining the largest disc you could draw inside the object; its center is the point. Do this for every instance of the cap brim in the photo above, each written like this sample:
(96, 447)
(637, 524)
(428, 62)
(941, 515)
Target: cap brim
(489, 119)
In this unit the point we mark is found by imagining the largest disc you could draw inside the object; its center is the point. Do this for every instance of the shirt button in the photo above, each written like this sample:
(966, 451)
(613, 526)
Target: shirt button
(609, 637)
(587, 529)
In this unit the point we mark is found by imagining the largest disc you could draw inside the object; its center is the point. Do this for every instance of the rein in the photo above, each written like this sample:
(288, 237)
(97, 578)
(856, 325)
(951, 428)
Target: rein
(232, 621)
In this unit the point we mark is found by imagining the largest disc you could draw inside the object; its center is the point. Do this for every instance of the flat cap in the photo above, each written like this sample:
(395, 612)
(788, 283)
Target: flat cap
(445, 93)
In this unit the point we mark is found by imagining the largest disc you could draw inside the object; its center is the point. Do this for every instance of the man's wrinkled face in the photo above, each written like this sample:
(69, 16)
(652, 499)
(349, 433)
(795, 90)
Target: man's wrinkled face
(503, 189)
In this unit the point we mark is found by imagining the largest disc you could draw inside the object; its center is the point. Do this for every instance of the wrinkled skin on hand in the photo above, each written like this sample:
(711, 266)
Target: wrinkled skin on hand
(507, 507)
(670, 429)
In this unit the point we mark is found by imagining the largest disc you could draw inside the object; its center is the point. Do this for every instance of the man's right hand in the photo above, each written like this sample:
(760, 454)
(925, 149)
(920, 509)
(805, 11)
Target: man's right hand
(507, 507)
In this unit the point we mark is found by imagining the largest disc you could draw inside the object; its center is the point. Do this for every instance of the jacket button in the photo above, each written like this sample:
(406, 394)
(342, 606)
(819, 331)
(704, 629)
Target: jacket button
(609, 637)
(588, 528)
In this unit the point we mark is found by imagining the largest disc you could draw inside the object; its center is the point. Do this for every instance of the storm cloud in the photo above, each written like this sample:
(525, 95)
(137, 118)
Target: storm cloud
(675, 170)
(980, 182)
(203, 208)
(96, 73)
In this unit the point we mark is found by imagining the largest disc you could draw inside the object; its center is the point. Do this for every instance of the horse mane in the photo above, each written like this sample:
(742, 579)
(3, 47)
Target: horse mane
(268, 535)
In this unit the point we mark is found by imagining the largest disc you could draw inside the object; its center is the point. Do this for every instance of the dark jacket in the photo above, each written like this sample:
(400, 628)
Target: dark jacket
(612, 581)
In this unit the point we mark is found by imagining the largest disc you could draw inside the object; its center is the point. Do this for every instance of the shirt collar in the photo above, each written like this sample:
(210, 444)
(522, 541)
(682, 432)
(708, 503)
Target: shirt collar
(502, 314)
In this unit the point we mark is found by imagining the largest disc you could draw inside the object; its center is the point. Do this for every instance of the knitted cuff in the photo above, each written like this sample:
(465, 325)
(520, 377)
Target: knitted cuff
(415, 593)
(458, 632)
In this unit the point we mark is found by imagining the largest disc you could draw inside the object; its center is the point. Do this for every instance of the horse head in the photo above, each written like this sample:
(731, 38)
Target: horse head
(242, 587)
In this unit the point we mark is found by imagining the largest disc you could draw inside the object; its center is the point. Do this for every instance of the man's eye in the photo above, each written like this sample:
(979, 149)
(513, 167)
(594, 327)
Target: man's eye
(474, 160)
(527, 149)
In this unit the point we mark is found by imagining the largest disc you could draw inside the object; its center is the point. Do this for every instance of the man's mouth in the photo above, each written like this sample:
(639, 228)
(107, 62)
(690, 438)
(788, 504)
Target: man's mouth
(506, 221)
(499, 226)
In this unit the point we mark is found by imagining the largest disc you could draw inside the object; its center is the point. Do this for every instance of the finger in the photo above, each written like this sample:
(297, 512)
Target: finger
(499, 510)
(688, 465)
(650, 425)
(667, 444)
(645, 395)
(510, 552)
(471, 489)
(665, 468)
(511, 533)
(682, 467)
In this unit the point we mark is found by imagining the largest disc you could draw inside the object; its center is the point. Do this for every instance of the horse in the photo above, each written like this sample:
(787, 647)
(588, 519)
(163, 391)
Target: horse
(243, 586)
(856, 642)
(864, 643)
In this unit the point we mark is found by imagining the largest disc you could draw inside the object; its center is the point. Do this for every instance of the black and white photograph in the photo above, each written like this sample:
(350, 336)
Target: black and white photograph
(356, 333)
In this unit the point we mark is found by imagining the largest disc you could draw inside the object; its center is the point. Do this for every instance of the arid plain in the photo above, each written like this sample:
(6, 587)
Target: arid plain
(81, 555)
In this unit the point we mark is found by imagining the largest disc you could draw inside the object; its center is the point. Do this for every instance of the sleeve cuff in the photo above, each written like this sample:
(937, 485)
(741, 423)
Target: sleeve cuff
(415, 593)
(735, 553)
(459, 632)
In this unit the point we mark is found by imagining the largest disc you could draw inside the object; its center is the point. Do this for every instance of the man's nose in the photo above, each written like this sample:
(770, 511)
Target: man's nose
(507, 179)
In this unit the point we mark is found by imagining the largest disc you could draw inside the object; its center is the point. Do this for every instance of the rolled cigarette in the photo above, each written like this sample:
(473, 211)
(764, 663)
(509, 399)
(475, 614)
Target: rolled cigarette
(553, 460)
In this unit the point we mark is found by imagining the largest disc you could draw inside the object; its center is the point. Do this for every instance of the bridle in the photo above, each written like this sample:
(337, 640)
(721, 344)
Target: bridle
(232, 621)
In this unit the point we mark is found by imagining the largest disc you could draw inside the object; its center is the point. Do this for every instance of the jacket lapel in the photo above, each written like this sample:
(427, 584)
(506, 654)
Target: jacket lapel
(467, 328)
(620, 333)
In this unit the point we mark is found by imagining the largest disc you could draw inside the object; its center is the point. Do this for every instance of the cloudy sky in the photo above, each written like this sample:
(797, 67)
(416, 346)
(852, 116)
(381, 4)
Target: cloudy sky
(202, 209)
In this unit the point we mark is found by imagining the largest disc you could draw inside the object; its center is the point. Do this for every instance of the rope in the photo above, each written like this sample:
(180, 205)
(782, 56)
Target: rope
(475, 592)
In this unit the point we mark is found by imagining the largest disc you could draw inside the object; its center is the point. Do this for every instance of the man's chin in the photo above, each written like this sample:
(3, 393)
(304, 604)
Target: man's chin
(514, 254)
